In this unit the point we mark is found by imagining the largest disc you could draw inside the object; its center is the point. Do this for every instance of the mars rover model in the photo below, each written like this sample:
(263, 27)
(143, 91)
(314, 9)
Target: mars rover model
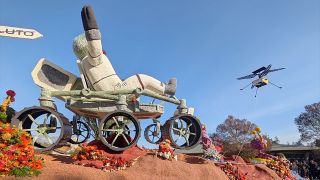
(111, 115)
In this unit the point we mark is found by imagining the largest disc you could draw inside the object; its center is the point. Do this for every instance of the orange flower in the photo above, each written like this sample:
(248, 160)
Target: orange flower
(83, 157)
(37, 164)
(25, 140)
(16, 164)
(2, 145)
(257, 129)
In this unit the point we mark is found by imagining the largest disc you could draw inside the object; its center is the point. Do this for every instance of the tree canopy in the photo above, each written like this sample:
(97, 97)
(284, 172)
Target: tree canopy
(308, 123)
(235, 135)
(235, 130)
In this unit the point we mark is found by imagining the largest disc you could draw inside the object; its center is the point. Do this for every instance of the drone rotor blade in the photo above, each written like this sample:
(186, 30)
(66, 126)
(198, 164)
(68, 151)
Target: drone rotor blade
(247, 77)
(272, 70)
(259, 70)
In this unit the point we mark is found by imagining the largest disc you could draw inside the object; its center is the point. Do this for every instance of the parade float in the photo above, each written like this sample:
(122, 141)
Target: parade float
(110, 110)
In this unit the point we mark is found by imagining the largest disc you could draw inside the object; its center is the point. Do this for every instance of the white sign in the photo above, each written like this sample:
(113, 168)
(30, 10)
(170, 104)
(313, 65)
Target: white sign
(19, 32)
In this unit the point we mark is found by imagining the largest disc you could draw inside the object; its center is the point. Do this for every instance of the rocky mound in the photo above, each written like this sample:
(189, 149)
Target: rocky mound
(147, 167)
(150, 167)
(253, 171)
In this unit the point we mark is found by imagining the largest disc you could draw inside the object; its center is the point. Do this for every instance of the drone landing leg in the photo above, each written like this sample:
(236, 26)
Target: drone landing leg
(275, 85)
(245, 86)
(256, 92)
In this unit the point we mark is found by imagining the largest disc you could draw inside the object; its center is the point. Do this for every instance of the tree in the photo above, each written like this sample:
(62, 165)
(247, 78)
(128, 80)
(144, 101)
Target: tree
(235, 130)
(276, 140)
(309, 123)
(235, 135)
(317, 142)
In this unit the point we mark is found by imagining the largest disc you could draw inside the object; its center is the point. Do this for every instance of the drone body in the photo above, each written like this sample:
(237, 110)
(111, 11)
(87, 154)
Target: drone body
(262, 81)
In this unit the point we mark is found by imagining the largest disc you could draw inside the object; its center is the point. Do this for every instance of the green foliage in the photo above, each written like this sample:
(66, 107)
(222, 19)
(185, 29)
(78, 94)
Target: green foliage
(235, 135)
(10, 113)
(245, 151)
(276, 140)
(3, 116)
(6, 116)
(25, 171)
(308, 123)
(234, 130)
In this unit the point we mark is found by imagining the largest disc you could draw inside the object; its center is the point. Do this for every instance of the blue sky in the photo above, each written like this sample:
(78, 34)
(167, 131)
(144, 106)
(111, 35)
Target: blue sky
(205, 44)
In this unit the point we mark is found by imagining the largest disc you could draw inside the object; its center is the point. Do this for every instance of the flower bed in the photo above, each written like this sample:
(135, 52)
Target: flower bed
(279, 165)
(231, 171)
(95, 154)
(17, 155)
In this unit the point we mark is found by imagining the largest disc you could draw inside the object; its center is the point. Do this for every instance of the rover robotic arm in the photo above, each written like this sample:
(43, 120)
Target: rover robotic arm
(98, 69)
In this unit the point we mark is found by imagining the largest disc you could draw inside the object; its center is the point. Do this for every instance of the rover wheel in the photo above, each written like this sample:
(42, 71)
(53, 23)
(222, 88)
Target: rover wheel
(184, 131)
(48, 128)
(151, 134)
(123, 135)
(114, 126)
(81, 133)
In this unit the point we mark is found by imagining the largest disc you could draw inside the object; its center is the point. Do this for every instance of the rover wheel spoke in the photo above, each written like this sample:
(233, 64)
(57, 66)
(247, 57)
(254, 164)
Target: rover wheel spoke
(178, 138)
(48, 138)
(175, 129)
(45, 120)
(111, 130)
(34, 139)
(114, 140)
(116, 121)
(187, 141)
(125, 138)
(30, 129)
(32, 119)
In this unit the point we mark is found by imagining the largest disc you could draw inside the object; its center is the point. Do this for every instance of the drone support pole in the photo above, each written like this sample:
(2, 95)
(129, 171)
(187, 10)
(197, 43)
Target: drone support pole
(275, 85)
(245, 86)
(256, 92)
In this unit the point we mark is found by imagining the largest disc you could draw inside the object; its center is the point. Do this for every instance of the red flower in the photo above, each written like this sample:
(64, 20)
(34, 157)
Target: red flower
(2, 164)
(6, 130)
(11, 93)
(22, 159)
(10, 155)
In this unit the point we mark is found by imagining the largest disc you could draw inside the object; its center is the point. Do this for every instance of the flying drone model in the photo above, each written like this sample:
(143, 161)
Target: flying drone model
(262, 81)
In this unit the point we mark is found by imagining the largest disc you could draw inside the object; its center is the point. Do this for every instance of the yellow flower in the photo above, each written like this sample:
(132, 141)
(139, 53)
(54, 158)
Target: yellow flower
(258, 129)
(254, 132)
(6, 136)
